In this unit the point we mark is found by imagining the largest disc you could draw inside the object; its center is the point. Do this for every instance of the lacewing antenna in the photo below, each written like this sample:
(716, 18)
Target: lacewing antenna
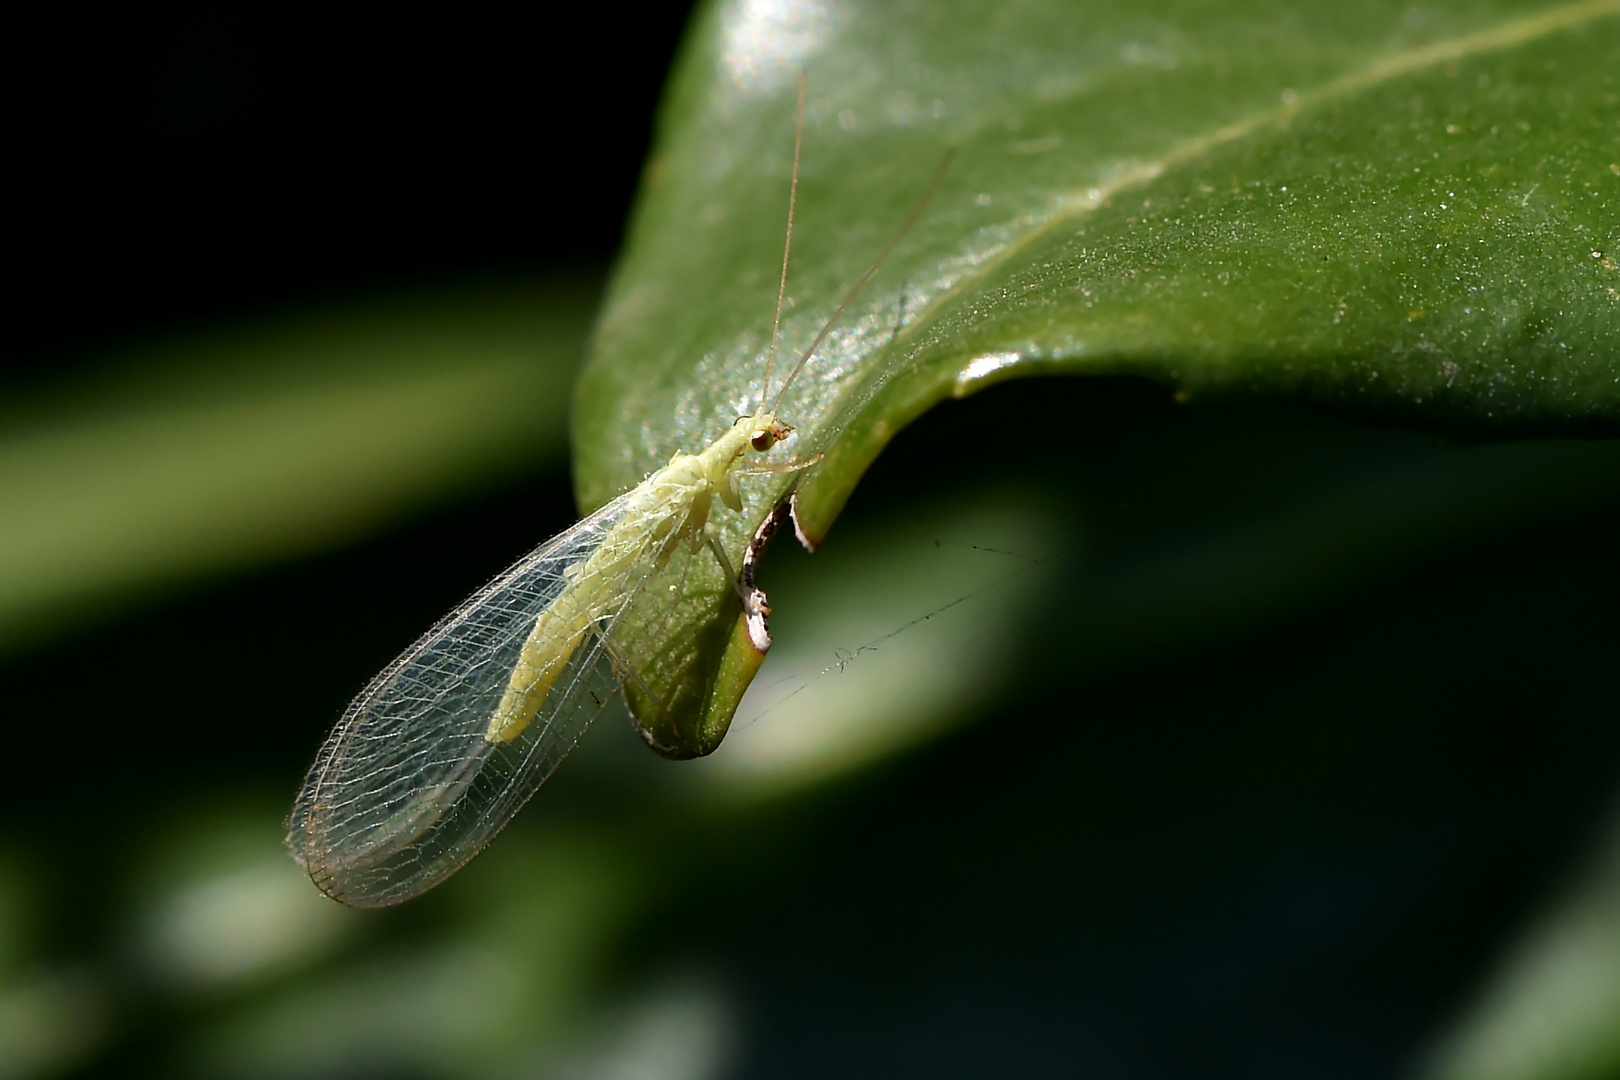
(787, 242)
(832, 320)
(443, 747)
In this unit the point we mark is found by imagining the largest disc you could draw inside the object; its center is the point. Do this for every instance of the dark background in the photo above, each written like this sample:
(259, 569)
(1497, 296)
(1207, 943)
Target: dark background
(176, 164)
(1289, 848)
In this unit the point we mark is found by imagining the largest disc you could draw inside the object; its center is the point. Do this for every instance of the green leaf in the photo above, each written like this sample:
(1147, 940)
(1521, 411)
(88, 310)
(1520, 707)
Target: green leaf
(1548, 1011)
(1401, 214)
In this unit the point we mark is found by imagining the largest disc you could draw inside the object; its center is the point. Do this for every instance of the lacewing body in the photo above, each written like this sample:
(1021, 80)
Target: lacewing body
(449, 741)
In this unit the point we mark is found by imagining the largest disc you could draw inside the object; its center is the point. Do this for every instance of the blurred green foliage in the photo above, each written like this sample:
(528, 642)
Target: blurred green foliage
(1107, 733)
(181, 458)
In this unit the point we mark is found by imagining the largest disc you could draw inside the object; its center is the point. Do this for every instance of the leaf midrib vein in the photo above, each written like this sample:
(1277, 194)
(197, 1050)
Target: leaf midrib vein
(1073, 207)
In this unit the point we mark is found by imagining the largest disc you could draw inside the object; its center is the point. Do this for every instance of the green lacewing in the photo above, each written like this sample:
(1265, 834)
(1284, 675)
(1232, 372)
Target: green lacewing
(447, 743)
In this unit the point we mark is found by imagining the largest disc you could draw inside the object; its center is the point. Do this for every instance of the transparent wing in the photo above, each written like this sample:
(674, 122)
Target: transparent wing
(407, 788)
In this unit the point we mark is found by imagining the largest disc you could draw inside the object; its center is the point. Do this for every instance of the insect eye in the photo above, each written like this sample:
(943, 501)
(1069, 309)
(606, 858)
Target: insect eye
(763, 440)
